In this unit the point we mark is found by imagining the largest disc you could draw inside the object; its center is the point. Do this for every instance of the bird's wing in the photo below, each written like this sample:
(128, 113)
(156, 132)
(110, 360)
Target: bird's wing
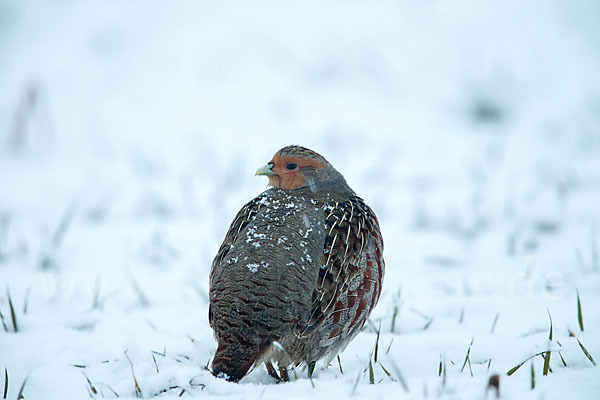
(350, 276)
(241, 220)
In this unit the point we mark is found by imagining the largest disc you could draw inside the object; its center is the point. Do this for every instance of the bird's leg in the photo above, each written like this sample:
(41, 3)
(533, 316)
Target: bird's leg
(271, 370)
(284, 374)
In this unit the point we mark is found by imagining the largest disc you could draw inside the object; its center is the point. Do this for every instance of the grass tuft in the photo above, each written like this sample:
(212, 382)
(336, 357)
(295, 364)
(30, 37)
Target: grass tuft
(587, 354)
(468, 358)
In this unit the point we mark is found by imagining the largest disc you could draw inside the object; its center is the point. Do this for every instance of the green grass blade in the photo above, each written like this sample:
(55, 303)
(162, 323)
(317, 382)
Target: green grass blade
(547, 355)
(467, 356)
(532, 376)
(562, 359)
(394, 315)
(385, 370)
(516, 367)
(587, 354)
(5, 383)
(371, 373)
(579, 313)
(13, 315)
(20, 395)
(495, 322)
(3, 323)
(340, 364)
(377, 342)
(311, 368)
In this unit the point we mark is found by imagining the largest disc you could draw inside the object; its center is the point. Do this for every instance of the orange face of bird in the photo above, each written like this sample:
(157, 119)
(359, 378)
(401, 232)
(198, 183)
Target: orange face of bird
(289, 172)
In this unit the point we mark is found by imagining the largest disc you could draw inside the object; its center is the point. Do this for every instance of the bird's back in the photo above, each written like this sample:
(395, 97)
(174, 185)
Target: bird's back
(263, 277)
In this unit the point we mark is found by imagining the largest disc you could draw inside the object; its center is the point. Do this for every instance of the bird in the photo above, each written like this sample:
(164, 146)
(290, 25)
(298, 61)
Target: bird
(298, 273)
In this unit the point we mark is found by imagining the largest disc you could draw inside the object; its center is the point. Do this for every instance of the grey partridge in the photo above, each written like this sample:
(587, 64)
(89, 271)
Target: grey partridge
(299, 271)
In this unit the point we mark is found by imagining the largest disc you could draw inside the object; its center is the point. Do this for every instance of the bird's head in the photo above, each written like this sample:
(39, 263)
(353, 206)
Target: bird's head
(296, 167)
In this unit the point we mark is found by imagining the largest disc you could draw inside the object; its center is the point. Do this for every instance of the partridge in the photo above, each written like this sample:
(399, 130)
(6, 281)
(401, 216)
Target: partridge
(298, 273)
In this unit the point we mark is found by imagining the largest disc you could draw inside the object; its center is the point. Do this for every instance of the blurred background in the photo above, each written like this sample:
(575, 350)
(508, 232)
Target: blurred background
(130, 132)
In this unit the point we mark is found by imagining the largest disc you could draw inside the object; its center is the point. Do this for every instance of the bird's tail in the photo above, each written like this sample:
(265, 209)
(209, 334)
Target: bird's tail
(233, 360)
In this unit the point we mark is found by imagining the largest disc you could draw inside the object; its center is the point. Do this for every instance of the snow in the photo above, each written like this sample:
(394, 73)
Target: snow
(130, 133)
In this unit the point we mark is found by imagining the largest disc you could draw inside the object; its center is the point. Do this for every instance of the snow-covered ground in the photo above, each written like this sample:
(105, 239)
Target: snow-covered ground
(130, 132)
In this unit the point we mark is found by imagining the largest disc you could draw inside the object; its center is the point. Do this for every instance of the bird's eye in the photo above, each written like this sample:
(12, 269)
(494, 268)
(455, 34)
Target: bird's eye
(291, 166)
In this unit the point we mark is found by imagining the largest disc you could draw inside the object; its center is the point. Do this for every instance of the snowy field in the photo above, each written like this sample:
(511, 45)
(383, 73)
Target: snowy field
(129, 136)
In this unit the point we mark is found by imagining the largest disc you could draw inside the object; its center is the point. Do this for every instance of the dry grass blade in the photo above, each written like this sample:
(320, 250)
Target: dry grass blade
(579, 313)
(138, 391)
(587, 354)
(440, 367)
(340, 364)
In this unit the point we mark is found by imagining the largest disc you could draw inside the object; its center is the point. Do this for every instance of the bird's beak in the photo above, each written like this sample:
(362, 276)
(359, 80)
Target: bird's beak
(266, 170)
